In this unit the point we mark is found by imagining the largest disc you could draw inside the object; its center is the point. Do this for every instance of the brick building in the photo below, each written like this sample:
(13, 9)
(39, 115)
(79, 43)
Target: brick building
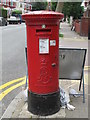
(23, 5)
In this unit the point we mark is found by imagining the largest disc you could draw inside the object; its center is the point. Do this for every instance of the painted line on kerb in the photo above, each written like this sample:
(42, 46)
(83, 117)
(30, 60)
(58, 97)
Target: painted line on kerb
(11, 82)
(86, 67)
(4, 93)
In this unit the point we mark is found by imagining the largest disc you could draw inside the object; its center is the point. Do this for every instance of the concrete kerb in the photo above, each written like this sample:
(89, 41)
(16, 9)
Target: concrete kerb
(73, 39)
(18, 109)
(19, 99)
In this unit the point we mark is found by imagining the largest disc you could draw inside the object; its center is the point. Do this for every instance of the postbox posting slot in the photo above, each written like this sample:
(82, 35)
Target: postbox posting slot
(43, 31)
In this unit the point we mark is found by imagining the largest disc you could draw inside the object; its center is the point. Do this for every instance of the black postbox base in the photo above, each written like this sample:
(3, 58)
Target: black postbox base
(43, 104)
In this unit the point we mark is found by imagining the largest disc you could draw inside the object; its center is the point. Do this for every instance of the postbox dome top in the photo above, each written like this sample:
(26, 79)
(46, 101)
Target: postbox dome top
(42, 14)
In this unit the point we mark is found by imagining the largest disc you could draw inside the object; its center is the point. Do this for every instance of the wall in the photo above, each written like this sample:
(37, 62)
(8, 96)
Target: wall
(84, 26)
(77, 26)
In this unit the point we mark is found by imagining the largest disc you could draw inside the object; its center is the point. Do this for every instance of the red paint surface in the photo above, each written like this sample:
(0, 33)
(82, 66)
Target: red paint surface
(43, 77)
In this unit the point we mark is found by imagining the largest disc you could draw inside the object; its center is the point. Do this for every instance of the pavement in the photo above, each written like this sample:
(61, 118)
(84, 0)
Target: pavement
(18, 107)
(65, 29)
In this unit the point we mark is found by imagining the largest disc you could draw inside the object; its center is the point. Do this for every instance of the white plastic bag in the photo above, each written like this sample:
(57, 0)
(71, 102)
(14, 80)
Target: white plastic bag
(64, 97)
(74, 93)
(70, 107)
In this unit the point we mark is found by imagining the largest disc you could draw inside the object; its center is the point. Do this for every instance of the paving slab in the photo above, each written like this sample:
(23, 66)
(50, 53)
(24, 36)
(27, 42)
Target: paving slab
(26, 114)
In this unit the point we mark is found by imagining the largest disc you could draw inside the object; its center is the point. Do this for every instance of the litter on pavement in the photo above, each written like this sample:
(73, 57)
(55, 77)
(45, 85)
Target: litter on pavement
(64, 98)
(70, 107)
(74, 93)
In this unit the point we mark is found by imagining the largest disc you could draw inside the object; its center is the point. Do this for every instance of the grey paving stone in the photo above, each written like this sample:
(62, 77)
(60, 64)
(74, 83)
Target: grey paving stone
(26, 114)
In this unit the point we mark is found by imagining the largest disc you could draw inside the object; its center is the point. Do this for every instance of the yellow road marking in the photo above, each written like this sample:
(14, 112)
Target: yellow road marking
(3, 94)
(11, 82)
(86, 67)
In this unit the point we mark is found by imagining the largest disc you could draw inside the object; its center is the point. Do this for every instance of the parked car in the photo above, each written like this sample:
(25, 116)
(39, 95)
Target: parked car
(3, 21)
(13, 20)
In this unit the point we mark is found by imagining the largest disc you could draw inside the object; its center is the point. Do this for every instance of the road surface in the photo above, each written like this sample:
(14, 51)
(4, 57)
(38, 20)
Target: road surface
(13, 59)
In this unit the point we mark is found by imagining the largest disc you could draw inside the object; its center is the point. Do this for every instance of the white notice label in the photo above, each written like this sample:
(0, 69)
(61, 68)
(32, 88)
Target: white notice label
(52, 42)
(43, 46)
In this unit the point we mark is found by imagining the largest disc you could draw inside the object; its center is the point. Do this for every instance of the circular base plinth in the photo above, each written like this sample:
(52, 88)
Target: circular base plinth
(43, 104)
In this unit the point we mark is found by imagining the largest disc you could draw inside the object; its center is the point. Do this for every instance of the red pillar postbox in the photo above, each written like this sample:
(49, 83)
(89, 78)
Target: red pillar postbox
(43, 61)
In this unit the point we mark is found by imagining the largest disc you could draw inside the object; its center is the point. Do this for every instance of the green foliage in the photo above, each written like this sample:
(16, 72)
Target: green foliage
(39, 6)
(61, 35)
(68, 19)
(16, 12)
(73, 9)
(3, 13)
(53, 5)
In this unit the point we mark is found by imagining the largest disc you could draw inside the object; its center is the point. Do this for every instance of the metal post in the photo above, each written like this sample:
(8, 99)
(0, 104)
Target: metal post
(26, 68)
(26, 60)
(80, 84)
(88, 30)
(83, 88)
